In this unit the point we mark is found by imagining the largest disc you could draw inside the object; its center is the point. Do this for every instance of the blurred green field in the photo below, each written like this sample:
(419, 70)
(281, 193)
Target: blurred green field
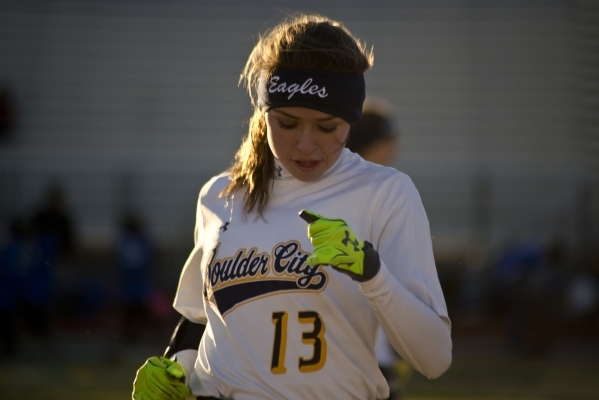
(95, 370)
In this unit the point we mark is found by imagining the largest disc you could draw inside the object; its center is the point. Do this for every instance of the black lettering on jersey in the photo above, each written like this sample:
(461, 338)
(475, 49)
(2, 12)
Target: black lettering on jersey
(247, 275)
(240, 266)
(288, 259)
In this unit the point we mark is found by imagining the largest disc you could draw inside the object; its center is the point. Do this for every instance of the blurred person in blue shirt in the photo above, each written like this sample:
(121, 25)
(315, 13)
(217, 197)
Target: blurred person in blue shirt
(50, 241)
(11, 270)
(519, 279)
(135, 253)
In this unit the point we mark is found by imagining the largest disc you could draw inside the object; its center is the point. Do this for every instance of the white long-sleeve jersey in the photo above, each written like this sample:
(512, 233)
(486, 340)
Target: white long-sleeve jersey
(279, 329)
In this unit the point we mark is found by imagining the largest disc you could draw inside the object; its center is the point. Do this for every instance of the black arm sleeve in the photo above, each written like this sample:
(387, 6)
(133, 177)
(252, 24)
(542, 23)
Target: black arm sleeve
(187, 336)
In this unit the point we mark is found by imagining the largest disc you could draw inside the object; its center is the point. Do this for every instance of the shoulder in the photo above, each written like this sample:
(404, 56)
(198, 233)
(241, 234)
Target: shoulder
(210, 199)
(215, 186)
(385, 189)
(383, 178)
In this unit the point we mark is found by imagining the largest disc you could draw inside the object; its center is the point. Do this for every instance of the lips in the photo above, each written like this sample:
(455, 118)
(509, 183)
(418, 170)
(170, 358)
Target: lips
(307, 165)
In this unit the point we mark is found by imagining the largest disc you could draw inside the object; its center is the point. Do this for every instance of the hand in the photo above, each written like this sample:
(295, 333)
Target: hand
(335, 244)
(160, 379)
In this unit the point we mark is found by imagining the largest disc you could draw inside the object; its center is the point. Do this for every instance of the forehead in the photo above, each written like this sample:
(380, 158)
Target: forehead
(303, 113)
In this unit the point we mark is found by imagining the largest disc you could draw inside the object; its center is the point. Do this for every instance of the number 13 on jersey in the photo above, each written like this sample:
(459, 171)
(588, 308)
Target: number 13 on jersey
(314, 337)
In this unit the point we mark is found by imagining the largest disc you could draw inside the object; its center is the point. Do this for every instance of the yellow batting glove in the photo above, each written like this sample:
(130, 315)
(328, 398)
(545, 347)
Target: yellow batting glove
(160, 379)
(335, 244)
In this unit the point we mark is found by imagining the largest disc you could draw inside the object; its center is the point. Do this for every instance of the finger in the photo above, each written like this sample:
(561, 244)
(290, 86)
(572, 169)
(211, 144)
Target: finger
(340, 263)
(173, 368)
(174, 387)
(344, 263)
(323, 255)
(315, 260)
(158, 390)
(163, 386)
(142, 396)
(320, 229)
(309, 216)
(139, 385)
(323, 225)
(155, 362)
(337, 234)
(175, 372)
(167, 361)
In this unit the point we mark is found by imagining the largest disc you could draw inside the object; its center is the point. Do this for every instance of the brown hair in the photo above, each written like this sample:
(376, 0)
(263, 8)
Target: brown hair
(304, 41)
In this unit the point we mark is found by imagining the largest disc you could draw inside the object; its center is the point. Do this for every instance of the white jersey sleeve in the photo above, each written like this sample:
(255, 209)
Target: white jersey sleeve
(407, 287)
(189, 297)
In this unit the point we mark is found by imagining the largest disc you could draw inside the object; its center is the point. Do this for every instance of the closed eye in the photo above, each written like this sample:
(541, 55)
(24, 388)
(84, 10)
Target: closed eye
(287, 126)
(326, 129)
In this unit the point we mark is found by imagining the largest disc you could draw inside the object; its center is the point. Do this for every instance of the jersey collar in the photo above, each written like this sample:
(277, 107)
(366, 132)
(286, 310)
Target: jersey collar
(281, 173)
(283, 180)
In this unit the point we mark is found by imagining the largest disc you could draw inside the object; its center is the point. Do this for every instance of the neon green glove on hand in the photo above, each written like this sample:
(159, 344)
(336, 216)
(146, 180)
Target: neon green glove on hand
(335, 244)
(160, 379)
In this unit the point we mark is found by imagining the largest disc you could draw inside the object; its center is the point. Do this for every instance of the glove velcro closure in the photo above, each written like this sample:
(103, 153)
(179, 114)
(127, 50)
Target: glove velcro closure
(372, 262)
(370, 266)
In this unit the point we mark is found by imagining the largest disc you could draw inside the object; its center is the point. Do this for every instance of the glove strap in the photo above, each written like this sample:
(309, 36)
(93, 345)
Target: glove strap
(372, 263)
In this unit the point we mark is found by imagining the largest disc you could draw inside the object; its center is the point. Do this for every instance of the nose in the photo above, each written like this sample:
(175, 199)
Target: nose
(305, 141)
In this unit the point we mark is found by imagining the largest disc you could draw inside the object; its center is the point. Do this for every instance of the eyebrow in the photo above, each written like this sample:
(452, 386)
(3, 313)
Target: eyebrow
(293, 116)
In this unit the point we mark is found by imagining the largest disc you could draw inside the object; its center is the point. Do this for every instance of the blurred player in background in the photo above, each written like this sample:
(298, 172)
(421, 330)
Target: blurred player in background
(135, 253)
(11, 268)
(51, 237)
(375, 137)
(289, 306)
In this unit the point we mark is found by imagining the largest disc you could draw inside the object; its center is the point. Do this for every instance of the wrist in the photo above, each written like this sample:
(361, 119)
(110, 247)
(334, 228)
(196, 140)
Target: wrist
(187, 359)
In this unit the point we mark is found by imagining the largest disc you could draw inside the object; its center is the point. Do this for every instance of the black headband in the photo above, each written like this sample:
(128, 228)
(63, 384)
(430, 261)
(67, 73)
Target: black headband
(335, 93)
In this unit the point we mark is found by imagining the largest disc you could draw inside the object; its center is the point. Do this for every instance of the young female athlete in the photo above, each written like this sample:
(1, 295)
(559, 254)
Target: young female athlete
(303, 249)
